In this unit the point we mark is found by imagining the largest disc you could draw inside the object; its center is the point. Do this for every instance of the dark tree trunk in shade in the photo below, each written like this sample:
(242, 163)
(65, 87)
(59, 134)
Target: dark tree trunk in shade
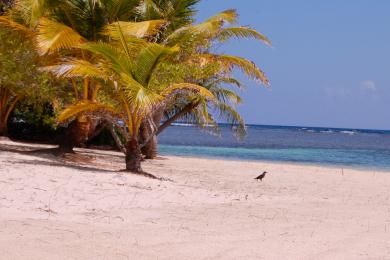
(3, 128)
(133, 156)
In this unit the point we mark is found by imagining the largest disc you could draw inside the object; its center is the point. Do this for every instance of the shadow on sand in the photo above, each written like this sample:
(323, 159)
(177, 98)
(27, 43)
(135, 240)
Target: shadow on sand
(77, 160)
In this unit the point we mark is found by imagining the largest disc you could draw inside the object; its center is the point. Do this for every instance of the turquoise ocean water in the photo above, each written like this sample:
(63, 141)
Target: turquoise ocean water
(326, 146)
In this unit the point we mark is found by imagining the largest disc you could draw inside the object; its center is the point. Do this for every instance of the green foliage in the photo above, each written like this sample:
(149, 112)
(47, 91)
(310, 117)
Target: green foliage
(35, 113)
(22, 81)
(18, 63)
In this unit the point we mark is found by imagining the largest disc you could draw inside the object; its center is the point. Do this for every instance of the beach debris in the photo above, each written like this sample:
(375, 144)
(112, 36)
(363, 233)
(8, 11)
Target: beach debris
(261, 176)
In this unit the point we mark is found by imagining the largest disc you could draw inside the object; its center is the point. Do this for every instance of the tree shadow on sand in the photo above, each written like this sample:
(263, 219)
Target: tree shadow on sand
(59, 164)
(80, 161)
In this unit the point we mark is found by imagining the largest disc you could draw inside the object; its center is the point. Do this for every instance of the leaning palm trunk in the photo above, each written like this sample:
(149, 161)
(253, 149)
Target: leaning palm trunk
(149, 149)
(150, 145)
(117, 139)
(148, 134)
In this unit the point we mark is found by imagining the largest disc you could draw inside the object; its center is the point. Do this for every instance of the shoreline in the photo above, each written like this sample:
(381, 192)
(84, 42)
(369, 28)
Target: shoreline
(297, 162)
(216, 157)
(287, 163)
(82, 207)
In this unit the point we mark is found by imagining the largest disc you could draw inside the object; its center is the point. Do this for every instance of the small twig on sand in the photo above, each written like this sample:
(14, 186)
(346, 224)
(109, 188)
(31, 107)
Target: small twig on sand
(148, 175)
(48, 211)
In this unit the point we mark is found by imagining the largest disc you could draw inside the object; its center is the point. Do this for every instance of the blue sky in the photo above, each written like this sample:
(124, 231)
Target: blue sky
(330, 64)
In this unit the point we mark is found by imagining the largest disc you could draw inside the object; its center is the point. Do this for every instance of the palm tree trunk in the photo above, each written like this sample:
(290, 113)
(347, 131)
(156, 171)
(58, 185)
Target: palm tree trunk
(133, 156)
(149, 145)
(76, 134)
(148, 134)
(150, 148)
(187, 109)
(117, 139)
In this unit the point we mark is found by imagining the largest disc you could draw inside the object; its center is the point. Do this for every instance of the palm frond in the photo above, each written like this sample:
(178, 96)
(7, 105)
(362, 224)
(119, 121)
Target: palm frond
(249, 68)
(83, 107)
(231, 81)
(226, 95)
(232, 117)
(148, 59)
(242, 32)
(120, 10)
(133, 29)
(78, 68)
(148, 9)
(136, 94)
(32, 10)
(201, 91)
(7, 22)
(209, 28)
(53, 36)
(115, 56)
(228, 16)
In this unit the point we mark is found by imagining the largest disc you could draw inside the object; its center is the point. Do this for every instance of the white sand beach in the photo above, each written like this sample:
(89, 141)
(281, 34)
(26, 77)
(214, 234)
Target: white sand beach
(72, 208)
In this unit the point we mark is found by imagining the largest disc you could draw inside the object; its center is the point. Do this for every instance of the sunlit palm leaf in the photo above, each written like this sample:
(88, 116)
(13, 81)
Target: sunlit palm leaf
(229, 16)
(134, 29)
(148, 60)
(136, 94)
(53, 36)
(78, 68)
(115, 56)
(82, 107)
(210, 27)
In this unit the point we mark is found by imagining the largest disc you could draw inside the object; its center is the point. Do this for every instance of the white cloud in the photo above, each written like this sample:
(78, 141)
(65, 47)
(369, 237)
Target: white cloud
(368, 85)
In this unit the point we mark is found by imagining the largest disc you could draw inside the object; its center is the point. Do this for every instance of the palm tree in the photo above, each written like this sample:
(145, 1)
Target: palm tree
(131, 69)
(60, 26)
(196, 42)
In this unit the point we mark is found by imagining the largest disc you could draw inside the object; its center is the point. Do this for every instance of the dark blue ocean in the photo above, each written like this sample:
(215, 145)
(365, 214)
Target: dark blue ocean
(355, 148)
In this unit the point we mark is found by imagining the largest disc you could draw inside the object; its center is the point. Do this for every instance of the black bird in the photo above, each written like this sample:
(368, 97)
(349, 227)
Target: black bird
(261, 176)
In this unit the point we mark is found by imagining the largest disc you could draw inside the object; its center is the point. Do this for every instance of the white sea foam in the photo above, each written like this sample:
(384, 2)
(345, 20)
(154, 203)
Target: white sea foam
(348, 132)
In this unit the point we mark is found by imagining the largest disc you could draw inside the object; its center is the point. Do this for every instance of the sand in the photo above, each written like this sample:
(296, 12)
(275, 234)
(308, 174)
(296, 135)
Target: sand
(81, 207)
